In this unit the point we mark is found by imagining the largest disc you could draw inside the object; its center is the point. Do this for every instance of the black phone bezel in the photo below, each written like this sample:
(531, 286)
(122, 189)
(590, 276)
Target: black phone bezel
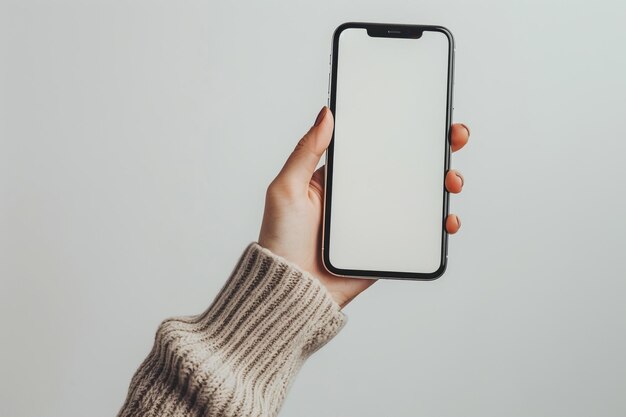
(392, 31)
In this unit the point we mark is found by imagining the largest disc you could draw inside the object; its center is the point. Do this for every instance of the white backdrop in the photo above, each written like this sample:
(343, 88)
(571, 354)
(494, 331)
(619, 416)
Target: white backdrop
(137, 139)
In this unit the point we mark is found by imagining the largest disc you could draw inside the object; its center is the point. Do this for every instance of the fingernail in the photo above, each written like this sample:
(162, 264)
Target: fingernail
(461, 178)
(320, 116)
(458, 222)
(466, 128)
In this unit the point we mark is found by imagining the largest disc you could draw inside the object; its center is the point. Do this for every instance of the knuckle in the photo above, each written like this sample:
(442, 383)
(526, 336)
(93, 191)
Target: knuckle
(301, 144)
(272, 190)
(281, 190)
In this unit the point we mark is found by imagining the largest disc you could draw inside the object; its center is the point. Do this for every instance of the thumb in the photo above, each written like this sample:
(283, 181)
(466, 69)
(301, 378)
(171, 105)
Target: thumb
(302, 162)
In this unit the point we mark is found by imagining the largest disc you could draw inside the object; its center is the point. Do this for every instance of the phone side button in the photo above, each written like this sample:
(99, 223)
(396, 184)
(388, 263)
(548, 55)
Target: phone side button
(328, 92)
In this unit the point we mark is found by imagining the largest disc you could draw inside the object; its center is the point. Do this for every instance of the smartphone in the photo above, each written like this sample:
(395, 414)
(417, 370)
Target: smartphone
(385, 202)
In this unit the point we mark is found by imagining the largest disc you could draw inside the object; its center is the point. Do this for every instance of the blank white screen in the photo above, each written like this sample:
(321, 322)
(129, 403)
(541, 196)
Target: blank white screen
(389, 152)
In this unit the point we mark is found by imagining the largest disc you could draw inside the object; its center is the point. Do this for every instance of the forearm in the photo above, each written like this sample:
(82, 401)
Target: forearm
(240, 356)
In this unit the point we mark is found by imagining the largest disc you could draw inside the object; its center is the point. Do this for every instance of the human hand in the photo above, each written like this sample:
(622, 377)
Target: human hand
(292, 221)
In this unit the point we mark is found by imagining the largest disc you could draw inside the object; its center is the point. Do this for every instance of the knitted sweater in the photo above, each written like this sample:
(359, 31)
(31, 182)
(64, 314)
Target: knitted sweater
(239, 357)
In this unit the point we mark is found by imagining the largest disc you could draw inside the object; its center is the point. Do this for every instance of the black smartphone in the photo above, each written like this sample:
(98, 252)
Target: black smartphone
(385, 202)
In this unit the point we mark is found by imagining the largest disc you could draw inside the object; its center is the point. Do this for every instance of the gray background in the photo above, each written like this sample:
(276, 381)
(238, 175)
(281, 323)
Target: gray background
(137, 139)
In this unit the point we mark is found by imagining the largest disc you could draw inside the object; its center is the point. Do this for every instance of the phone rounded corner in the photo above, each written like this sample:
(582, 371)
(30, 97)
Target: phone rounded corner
(328, 266)
(339, 29)
(440, 271)
(448, 33)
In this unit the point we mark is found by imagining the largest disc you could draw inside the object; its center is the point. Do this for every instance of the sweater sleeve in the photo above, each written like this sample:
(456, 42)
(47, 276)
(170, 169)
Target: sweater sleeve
(239, 357)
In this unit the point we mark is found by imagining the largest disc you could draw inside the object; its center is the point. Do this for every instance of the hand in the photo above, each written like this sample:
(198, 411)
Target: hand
(292, 222)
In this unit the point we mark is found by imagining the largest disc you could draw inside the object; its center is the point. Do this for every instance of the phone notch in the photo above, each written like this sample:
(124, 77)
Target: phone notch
(395, 31)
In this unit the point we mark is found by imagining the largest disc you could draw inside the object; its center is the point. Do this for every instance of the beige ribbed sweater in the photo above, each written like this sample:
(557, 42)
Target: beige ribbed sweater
(239, 357)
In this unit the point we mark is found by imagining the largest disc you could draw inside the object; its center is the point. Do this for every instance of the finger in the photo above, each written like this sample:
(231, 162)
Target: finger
(318, 177)
(300, 165)
(459, 135)
(453, 224)
(454, 181)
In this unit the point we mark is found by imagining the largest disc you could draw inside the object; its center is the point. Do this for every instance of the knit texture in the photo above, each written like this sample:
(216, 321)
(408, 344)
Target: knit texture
(239, 357)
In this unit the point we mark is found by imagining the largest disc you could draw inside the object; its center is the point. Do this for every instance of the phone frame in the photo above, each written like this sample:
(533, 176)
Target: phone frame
(391, 31)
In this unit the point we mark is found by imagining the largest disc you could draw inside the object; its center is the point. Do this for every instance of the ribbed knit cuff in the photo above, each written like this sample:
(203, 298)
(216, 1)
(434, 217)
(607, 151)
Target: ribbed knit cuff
(274, 304)
(240, 356)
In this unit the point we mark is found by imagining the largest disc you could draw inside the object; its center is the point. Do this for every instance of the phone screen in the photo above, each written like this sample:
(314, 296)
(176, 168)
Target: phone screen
(389, 153)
